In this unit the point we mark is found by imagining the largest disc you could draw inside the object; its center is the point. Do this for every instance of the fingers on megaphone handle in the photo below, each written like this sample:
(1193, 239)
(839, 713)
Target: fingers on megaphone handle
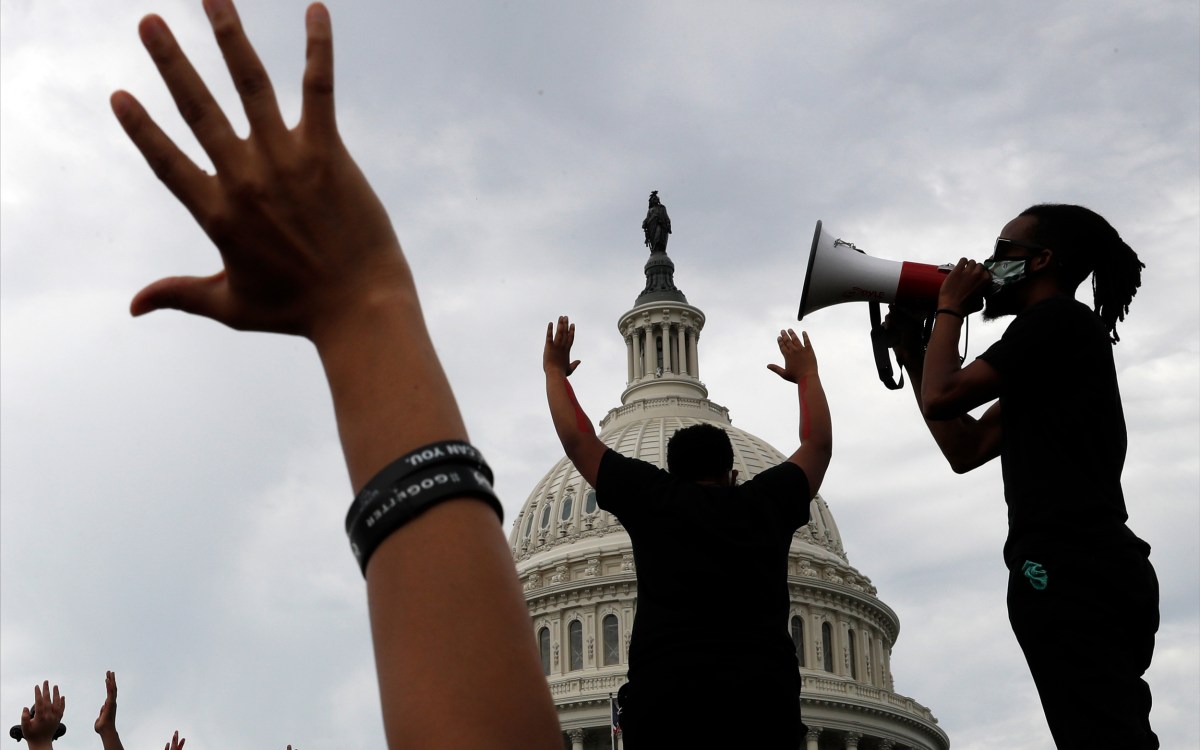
(963, 288)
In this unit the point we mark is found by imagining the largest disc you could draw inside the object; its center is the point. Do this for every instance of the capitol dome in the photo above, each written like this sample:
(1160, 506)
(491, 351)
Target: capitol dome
(575, 564)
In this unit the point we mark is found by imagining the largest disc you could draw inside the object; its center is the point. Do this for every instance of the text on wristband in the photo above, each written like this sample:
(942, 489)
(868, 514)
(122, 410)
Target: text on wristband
(442, 451)
(416, 489)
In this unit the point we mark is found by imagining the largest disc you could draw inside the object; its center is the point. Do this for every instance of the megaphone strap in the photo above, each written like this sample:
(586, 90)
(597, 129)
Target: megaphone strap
(883, 361)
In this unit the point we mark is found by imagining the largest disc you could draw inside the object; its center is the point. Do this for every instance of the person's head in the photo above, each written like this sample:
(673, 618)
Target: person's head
(701, 453)
(1061, 245)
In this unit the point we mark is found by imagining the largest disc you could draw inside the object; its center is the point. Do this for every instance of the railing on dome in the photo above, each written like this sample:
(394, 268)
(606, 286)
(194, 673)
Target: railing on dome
(644, 404)
(581, 686)
(812, 686)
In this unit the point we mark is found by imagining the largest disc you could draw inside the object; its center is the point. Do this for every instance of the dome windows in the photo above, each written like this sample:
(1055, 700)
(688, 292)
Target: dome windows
(589, 502)
(853, 654)
(827, 646)
(529, 524)
(611, 631)
(544, 649)
(575, 640)
(798, 637)
(568, 505)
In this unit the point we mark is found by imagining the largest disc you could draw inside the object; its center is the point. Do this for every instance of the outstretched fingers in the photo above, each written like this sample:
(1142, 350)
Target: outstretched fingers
(787, 341)
(317, 112)
(192, 97)
(249, 75)
(172, 167)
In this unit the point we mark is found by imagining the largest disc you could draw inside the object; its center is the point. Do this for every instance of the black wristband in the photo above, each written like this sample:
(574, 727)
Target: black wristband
(425, 457)
(948, 311)
(379, 511)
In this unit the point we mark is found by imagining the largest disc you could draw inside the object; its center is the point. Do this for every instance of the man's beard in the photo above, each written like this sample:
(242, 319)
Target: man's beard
(1000, 304)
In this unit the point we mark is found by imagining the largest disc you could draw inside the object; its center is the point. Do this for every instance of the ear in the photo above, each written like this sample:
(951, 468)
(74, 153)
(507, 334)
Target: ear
(733, 477)
(1044, 259)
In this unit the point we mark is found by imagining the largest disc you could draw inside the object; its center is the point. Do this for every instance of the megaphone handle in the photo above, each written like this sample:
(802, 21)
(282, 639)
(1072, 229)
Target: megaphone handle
(883, 361)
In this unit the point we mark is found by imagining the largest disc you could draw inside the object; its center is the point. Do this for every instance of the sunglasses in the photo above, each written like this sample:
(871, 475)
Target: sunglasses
(1004, 247)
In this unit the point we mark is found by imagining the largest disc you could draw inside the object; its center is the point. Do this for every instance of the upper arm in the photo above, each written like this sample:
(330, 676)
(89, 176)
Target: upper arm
(978, 442)
(585, 453)
(814, 460)
(972, 386)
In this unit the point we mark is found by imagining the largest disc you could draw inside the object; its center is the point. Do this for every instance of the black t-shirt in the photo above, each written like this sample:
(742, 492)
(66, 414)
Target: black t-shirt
(711, 563)
(1064, 439)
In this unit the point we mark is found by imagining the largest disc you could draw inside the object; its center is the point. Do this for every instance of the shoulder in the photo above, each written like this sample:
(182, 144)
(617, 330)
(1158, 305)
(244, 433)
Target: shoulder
(784, 475)
(784, 492)
(617, 468)
(624, 484)
(1055, 313)
(1053, 328)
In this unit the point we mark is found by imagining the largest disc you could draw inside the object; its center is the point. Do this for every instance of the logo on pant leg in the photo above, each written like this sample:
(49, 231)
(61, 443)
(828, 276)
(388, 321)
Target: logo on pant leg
(1036, 574)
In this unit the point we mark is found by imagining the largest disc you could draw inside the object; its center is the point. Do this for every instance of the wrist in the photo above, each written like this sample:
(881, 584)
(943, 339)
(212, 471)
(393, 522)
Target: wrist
(370, 313)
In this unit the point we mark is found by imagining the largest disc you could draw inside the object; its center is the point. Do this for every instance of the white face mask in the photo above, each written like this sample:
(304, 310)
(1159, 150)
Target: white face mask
(1005, 272)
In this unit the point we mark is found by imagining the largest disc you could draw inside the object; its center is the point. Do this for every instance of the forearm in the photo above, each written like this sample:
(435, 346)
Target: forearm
(571, 424)
(457, 660)
(441, 590)
(960, 439)
(390, 394)
(816, 425)
(111, 740)
(941, 364)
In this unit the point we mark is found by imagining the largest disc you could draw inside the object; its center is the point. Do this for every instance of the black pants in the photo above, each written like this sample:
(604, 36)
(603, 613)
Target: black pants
(1088, 636)
(742, 709)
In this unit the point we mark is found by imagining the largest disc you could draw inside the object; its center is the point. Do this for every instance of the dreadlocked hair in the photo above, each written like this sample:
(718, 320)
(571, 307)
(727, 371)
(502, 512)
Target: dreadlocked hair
(1085, 243)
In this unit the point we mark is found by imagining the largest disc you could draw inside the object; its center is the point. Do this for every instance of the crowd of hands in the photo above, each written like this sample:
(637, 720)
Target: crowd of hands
(42, 722)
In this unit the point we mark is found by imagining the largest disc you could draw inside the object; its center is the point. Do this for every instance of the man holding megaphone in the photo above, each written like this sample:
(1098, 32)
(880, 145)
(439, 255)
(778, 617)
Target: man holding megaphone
(1058, 426)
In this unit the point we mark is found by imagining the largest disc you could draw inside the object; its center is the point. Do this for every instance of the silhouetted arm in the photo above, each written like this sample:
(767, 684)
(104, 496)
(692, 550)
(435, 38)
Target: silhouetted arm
(573, 427)
(816, 426)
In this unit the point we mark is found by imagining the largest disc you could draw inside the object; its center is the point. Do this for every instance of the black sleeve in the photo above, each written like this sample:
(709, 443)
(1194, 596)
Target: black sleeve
(785, 491)
(1046, 338)
(623, 483)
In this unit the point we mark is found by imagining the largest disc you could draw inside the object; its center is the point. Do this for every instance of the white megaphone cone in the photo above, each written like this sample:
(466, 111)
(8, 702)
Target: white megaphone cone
(840, 272)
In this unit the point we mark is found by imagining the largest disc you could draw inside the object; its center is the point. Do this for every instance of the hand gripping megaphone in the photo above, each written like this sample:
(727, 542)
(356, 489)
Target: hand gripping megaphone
(839, 272)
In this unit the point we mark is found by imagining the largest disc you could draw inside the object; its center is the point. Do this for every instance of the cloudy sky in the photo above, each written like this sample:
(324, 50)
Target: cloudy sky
(173, 492)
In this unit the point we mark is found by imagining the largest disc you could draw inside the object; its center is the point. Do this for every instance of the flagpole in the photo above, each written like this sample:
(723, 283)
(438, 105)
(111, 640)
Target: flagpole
(611, 732)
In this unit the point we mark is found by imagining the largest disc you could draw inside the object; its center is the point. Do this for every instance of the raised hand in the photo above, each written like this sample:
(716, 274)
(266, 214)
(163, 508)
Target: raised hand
(106, 722)
(556, 357)
(303, 238)
(176, 743)
(40, 722)
(799, 359)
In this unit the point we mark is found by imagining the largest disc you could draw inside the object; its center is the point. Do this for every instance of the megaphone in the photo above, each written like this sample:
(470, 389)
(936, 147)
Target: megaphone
(840, 272)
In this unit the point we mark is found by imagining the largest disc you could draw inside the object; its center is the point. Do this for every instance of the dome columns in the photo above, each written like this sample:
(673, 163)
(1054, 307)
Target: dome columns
(576, 737)
(661, 351)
